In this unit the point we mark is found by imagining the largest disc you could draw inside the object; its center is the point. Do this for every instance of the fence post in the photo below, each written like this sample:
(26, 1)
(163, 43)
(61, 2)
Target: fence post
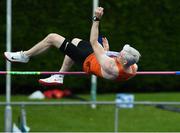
(116, 119)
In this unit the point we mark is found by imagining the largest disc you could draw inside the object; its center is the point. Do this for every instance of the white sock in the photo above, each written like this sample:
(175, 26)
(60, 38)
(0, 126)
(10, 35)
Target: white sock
(24, 55)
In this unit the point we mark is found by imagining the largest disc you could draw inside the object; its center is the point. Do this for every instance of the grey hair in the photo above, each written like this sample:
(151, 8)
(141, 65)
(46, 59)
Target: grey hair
(131, 55)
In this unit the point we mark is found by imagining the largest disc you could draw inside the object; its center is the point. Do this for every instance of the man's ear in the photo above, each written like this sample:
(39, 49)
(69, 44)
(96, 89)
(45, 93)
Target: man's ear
(125, 62)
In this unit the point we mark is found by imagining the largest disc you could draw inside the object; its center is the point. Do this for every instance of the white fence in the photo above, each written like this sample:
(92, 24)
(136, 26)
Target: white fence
(76, 103)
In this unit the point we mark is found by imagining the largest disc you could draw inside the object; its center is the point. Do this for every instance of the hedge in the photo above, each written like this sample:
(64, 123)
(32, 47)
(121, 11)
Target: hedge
(150, 26)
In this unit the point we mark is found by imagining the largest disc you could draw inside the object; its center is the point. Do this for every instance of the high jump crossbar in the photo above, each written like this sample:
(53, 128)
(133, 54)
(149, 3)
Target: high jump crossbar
(83, 73)
(90, 102)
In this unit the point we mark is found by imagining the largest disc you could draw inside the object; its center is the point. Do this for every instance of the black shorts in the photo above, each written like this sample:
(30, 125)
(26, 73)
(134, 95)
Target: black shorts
(77, 53)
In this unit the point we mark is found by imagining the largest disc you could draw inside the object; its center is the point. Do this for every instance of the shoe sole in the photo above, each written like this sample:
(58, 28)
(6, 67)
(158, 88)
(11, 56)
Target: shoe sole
(49, 84)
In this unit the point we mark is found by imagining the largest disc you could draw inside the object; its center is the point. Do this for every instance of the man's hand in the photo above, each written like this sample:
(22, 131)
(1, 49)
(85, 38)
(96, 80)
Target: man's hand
(99, 12)
(105, 44)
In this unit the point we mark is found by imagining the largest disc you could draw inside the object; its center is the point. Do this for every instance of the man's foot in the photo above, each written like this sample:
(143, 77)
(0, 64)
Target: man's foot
(52, 80)
(16, 57)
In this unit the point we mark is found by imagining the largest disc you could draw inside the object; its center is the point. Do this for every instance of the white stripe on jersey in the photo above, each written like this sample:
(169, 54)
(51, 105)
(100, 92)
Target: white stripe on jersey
(112, 53)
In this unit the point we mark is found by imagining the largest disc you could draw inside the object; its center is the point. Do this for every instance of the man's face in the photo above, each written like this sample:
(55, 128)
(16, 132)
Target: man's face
(122, 54)
(121, 57)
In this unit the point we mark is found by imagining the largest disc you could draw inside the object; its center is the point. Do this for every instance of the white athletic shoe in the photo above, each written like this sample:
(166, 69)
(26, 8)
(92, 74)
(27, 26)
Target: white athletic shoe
(16, 57)
(52, 80)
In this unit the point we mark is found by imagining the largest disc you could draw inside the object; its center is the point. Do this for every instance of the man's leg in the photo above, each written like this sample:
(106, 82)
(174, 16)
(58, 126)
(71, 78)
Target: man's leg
(57, 79)
(51, 40)
(68, 62)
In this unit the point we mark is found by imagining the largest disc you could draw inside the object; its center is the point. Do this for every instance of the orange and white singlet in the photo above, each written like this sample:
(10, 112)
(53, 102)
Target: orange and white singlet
(92, 66)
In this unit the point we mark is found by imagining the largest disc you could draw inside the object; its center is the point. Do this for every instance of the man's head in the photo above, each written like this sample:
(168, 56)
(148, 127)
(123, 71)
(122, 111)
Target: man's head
(130, 55)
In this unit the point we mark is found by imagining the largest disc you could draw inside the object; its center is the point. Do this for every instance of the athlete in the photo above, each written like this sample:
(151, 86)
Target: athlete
(94, 58)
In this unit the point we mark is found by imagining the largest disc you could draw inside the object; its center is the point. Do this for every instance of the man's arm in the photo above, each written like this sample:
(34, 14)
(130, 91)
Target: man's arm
(108, 64)
(97, 48)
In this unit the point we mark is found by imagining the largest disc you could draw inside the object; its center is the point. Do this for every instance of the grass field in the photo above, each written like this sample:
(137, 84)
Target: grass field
(83, 118)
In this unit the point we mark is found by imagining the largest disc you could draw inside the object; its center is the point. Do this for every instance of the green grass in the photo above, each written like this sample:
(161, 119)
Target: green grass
(83, 118)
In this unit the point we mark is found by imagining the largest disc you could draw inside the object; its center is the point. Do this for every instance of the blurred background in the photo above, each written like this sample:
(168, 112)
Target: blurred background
(150, 26)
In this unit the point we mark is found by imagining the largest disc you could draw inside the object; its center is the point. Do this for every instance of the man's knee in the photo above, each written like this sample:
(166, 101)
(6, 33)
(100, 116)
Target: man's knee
(54, 38)
(75, 41)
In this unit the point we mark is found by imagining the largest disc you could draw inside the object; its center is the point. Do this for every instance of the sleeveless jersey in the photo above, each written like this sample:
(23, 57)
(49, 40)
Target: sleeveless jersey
(92, 66)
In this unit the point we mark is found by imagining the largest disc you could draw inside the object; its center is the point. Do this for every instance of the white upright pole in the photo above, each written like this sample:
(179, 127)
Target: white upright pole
(93, 77)
(8, 110)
